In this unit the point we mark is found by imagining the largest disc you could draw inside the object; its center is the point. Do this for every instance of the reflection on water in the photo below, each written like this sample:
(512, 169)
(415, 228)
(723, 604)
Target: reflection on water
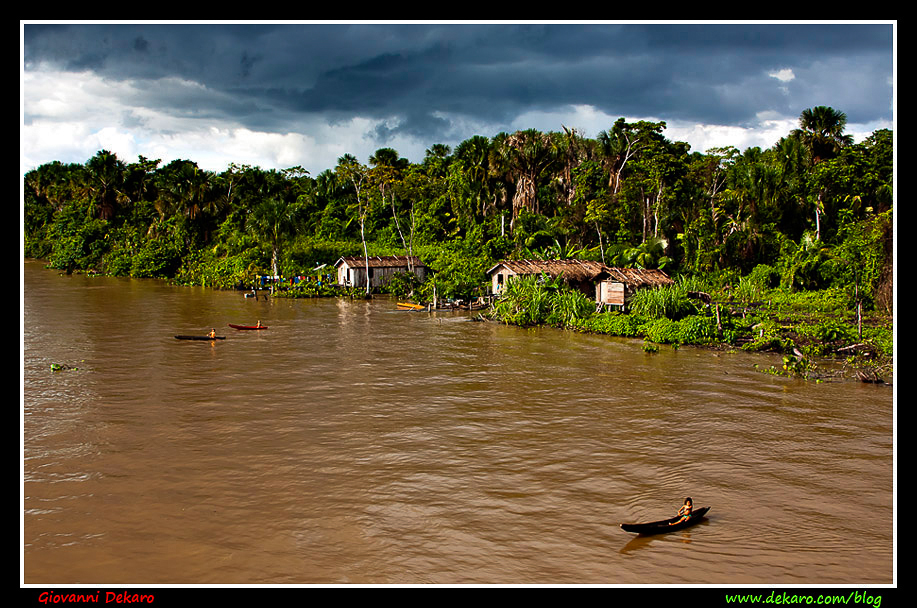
(354, 443)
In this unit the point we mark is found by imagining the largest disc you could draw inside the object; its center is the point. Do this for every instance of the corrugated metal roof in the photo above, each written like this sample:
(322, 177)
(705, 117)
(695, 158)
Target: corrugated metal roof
(376, 261)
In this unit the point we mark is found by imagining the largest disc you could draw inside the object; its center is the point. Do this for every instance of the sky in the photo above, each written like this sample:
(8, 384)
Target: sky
(278, 95)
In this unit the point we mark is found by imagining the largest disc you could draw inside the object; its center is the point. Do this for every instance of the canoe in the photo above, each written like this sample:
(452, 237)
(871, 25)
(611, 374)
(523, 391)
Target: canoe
(247, 326)
(410, 306)
(666, 525)
(200, 338)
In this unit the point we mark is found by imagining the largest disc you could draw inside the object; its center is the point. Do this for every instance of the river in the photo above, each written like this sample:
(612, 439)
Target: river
(354, 443)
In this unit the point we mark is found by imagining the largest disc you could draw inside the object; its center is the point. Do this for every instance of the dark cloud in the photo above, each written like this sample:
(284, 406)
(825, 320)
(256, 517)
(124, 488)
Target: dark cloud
(417, 74)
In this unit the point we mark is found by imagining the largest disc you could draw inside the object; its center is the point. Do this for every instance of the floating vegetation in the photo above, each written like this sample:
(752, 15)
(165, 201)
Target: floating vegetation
(59, 367)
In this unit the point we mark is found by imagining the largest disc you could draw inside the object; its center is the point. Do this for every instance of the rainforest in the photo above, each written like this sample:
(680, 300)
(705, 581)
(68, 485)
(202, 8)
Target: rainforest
(789, 248)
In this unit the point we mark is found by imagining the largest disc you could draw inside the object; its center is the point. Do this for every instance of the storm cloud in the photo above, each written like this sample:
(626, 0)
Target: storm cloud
(320, 90)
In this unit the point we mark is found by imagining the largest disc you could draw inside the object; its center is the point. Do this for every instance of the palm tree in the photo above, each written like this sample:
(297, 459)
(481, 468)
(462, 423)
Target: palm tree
(105, 183)
(272, 219)
(821, 129)
(436, 159)
(139, 179)
(472, 156)
(526, 155)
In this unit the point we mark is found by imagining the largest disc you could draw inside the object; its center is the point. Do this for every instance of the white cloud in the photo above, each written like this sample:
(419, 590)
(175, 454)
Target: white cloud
(69, 117)
(784, 75)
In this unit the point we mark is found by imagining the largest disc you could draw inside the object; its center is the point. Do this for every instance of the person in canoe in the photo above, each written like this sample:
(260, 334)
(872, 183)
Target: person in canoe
(213, 333)
(684, 512)
(259, 324)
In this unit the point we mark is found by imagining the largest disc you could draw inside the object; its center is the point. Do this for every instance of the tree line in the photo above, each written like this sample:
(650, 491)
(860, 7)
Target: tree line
(816, 207)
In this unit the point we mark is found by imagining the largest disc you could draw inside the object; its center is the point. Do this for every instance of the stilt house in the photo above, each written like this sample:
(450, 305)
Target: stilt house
(615, 286)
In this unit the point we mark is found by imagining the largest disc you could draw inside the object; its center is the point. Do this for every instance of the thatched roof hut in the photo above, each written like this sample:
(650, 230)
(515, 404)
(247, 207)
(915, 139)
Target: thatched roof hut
(609, 285)
(580, 274)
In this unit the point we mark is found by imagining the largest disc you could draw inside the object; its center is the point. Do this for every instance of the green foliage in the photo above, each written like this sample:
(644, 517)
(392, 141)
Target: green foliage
(77, 240)
(160, 258)
(541, 300)
(753, 286)
(569, 306)
(826, 335)
(695, 330)
(459, 269)
(670, 302)
(611, 323)
(788, 241)
(766, 336)
(403, 284)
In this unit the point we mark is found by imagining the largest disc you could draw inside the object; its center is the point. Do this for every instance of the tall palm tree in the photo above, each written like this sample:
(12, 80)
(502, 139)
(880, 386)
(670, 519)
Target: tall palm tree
(473, 158)
(821, 129)
(105, 183)
(436, 159)
(273, 219)
(526, 156)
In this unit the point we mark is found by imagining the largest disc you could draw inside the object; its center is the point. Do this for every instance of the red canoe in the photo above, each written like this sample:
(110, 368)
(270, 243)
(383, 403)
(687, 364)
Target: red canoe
(248, 326)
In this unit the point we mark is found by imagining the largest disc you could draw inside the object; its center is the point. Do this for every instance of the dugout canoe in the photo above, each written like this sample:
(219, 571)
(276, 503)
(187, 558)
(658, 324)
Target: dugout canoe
(234, 326)
(410, 306)
(666, 525)
(200, 338)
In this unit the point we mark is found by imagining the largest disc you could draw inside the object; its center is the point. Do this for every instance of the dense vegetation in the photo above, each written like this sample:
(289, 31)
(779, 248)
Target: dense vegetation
(803, 225)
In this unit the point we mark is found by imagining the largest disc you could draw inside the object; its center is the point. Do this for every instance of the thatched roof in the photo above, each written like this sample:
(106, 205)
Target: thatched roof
(586, 270)
(376, 261)
(580, 270)
(638, 277)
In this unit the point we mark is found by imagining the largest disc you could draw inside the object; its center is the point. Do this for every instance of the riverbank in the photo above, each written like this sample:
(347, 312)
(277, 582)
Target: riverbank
(817, 334)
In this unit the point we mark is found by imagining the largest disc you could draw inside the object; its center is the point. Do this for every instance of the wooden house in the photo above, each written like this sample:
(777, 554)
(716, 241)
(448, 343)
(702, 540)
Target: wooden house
(579, 274)
(615, 286)
(352, 270)
(608, 285)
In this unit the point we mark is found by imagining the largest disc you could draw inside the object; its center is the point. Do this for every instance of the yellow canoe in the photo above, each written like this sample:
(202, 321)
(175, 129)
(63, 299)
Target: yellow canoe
(410, 306)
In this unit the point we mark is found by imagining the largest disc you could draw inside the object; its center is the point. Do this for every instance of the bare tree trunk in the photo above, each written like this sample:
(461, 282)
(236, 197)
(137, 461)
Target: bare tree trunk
(601, 246)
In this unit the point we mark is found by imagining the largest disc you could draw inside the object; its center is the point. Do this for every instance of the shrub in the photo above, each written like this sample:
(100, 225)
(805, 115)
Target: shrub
(611, 323)
(690, 330)
(670, 302)
(537, 300)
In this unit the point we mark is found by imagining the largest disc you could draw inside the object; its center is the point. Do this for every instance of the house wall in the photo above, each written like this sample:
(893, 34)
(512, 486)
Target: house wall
(501, 275)
(499, 278)
(610, 292)
(380, 276)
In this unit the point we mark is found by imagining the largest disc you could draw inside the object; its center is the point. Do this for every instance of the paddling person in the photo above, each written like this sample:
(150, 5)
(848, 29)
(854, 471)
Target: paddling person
(213, 333)
(684, 512)
(259, 323)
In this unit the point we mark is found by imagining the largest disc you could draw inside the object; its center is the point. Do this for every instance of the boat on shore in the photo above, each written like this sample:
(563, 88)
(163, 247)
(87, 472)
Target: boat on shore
(666, 525)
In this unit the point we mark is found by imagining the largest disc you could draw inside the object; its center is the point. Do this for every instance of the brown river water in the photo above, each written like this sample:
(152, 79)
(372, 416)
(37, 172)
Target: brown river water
(354, 443)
